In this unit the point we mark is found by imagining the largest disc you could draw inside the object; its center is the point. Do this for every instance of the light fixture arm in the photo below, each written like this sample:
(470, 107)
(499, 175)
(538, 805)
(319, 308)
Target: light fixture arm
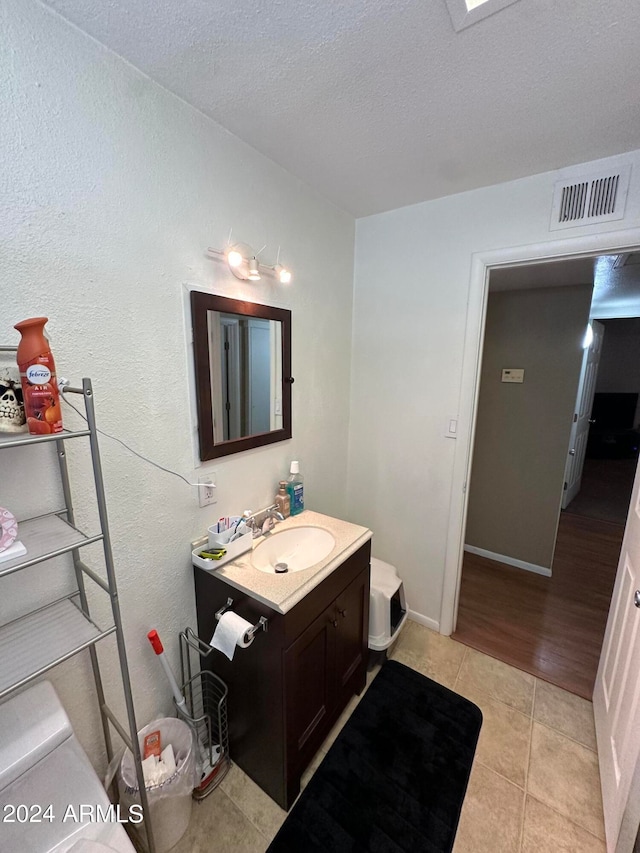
(244, 264)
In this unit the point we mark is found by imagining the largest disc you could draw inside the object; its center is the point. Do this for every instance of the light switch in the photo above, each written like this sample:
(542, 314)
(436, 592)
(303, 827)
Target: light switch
(513, 374)
(452, 428)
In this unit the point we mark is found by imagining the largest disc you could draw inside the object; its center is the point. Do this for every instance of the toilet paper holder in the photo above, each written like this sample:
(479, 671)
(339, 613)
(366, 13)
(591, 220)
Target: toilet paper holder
(262, 622)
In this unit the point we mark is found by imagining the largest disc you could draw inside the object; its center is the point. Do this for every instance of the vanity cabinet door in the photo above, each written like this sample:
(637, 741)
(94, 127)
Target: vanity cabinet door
(352, 630)
(309, 666)
(323, 668)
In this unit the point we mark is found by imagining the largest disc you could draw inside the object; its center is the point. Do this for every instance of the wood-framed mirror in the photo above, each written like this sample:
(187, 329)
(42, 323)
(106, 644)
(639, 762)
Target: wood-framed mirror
(242, 359)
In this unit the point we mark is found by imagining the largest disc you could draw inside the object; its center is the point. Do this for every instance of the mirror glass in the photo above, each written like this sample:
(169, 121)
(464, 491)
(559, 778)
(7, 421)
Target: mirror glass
(242, 354)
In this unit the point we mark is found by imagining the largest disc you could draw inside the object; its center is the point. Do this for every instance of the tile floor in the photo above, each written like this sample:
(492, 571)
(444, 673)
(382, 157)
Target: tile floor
(534, 786)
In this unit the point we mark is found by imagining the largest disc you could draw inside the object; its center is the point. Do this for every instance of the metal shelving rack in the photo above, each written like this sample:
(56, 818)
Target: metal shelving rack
(35, 643)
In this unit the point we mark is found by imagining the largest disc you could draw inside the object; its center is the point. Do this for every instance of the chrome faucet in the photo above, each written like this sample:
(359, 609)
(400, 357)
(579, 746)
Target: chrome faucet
(252, 524)
(270, 517)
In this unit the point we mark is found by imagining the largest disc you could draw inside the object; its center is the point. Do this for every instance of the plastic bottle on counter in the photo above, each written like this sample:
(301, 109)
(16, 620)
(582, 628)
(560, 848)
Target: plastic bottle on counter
(295, 487)
(282, 501)
(38, 377)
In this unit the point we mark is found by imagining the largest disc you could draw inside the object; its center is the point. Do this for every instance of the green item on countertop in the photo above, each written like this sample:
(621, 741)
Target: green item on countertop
(215, 554)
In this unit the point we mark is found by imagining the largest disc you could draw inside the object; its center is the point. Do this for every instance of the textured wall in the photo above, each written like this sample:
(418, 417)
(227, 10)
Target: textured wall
(522, 430)
(412, 272)
(112, 191)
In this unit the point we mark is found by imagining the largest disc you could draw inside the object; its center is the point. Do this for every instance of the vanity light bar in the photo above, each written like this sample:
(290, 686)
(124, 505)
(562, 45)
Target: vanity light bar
(244, 263)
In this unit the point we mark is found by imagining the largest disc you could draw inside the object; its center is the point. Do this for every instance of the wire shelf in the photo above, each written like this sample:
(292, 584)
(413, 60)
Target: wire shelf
(45, 537)
(35, 643)
(206, 712)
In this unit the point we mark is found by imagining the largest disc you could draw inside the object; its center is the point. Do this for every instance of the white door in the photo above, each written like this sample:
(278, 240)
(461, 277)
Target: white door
(259, 377)
(584, 404)
(616, 697)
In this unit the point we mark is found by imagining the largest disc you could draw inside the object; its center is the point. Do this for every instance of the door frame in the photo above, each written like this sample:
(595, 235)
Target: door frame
(588, 245)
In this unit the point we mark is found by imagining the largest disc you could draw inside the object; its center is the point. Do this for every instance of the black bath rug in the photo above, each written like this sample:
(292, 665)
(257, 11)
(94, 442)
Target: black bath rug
(396, 776)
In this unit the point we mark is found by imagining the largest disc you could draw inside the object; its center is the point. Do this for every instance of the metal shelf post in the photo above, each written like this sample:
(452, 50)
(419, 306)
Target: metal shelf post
(67, 622)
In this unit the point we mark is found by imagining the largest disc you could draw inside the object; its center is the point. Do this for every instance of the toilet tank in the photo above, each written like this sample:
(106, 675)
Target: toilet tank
(44, 768)
(32, 724)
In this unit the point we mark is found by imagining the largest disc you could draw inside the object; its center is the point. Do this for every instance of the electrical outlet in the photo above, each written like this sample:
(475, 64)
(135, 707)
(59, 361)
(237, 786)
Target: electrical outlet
(207, 489)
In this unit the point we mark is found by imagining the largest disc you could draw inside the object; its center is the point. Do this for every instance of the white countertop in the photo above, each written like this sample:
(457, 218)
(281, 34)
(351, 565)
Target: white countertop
(283, 591)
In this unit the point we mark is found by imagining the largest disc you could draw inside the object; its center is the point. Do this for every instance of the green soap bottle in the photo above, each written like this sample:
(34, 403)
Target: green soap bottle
(295, 488)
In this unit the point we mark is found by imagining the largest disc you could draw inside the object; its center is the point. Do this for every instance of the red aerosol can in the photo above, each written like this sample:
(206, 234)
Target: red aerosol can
(38, 377)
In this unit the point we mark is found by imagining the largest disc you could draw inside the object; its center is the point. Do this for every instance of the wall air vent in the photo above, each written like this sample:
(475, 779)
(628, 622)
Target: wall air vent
(590, 199)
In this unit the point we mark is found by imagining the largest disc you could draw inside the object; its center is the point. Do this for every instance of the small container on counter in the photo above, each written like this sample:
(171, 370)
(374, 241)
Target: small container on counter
(282, 501)
(295, 488)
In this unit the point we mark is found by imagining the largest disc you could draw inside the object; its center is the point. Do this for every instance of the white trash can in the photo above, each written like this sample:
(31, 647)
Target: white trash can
(170, 801)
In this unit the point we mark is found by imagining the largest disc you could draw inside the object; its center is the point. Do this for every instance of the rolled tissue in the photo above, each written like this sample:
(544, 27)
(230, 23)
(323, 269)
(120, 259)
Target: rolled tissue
(230, 632)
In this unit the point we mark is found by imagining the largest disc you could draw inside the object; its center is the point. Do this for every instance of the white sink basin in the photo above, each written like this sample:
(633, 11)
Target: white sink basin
(297, 548)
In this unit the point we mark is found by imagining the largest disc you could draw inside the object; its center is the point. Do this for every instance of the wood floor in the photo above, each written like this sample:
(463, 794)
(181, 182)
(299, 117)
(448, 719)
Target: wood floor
(551, 627)
(605, 489)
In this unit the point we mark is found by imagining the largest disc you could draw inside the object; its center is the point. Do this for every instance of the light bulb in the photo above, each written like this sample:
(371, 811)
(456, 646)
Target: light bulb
(283, 274)
(254, 272)
(234, 259)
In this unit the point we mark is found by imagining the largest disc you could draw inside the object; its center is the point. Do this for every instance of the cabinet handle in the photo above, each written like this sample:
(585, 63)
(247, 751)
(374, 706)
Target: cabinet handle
(334, 622)
(343, 612)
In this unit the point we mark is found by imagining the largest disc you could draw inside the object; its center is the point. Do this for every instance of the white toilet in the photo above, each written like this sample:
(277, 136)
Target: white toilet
(387, 606)
(46, 776)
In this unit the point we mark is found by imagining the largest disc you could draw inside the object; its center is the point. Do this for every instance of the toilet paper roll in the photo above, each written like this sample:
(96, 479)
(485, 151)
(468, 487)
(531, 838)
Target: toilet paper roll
(230, 632)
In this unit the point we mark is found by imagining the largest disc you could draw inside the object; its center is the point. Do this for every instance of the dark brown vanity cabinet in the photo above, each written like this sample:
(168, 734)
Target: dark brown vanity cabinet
(289, 687)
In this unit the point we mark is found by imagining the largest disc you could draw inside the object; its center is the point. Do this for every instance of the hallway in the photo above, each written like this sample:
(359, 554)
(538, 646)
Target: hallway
(550, 627)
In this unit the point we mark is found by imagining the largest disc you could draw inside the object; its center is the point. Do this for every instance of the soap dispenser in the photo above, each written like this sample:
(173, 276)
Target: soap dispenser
(282, 500)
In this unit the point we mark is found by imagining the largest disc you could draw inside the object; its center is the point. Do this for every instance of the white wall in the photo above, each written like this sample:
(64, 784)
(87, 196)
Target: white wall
(412, 274)
(112, 191)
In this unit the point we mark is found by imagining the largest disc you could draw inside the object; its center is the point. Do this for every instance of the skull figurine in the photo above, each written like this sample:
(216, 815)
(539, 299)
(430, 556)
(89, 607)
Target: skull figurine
(12, 417)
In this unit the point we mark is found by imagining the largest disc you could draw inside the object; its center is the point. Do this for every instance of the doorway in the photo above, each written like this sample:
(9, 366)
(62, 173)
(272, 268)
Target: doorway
(612, 439)
(550, 626)
(481, 263)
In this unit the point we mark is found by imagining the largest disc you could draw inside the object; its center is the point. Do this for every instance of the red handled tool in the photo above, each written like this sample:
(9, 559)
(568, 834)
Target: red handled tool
(158, 648)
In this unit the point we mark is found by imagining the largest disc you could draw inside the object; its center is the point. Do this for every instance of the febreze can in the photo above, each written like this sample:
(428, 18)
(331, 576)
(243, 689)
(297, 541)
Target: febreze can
(38, 377)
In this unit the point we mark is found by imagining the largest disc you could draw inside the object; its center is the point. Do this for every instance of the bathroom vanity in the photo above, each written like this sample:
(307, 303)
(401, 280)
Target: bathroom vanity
(288, 688)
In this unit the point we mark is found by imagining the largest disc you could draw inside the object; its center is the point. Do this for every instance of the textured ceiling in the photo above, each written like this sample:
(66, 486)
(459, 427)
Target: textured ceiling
(616, 290)
(380, 103)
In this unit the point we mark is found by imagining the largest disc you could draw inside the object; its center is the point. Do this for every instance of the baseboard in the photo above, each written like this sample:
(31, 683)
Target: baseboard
(510, 561)
(424, 620)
